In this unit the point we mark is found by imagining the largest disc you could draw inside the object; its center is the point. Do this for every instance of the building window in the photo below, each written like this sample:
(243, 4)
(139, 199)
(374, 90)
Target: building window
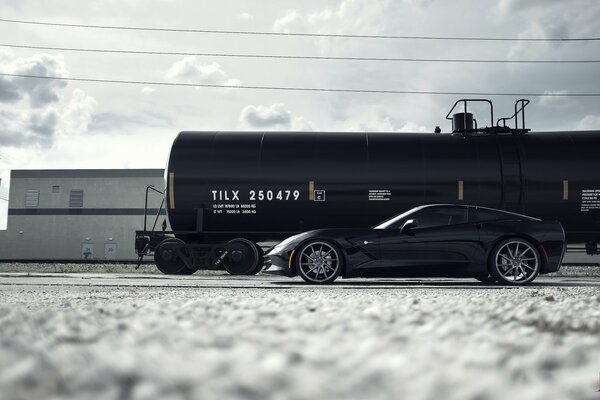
(55, 189)
(32, 198)
(76, 198)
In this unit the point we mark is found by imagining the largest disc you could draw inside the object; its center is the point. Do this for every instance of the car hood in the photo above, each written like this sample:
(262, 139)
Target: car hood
(292, 241)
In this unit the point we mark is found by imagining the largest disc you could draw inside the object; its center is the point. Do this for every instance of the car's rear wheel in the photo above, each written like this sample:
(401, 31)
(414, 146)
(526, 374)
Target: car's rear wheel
(319, 262)
(515, 262)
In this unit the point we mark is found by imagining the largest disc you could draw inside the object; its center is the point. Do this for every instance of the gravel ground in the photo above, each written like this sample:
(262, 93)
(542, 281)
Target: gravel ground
(352, 342)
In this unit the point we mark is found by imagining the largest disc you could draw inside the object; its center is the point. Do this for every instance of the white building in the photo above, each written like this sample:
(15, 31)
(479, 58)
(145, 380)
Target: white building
(77, 214)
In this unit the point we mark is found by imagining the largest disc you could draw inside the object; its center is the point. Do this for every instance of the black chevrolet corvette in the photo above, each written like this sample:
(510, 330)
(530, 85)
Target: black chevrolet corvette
(439, 240)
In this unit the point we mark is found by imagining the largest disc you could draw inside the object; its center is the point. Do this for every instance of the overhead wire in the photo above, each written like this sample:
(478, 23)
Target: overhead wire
(294, 57)
(300, 89)
(299, 34)
(293, 88)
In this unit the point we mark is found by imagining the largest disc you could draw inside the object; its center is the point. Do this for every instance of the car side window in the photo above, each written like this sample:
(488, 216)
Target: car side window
(441, 216)
(484, 215)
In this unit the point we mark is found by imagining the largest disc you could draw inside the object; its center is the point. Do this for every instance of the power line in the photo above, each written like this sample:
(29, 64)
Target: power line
(332, 35)
(301, 89)
(282, 56)
(2, 198)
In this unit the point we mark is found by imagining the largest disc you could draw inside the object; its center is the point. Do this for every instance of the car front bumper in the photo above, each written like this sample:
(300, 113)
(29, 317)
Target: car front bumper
(278, 263)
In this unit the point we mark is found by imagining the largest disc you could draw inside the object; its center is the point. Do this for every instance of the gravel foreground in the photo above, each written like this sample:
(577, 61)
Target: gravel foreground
(302, 343)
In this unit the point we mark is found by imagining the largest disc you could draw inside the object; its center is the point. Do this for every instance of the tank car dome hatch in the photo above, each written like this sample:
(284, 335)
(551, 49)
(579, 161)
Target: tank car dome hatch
(462, 122)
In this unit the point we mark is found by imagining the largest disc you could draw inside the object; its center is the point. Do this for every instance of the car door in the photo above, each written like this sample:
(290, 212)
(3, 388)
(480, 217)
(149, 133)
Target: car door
(364, 252)
(443, 240)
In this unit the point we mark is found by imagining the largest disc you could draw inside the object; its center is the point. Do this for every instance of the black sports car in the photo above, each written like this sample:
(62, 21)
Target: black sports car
(433, 240)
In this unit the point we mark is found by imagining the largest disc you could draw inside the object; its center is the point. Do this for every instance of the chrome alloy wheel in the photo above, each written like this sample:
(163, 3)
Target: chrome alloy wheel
(319, 262)
(517, 261)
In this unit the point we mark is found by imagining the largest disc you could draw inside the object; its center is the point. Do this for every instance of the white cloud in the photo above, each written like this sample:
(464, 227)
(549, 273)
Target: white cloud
(148, 90)
(34, 127)
(589, 123)
(33, 112)
(121, 123)
(410, 126)
(24, 128)
(418, 3)
(39, 92)
(246, 16)
(553, 101)
(272, 117)
(513, 6)
(350, 16)
(384, 123)
(77, 114)
(550, 19)
(191, 70)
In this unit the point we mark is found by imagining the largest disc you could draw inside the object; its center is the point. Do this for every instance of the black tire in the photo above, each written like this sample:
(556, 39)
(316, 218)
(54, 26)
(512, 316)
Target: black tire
(167, 259)
(515, 262)
(243, 258)
(319, 262)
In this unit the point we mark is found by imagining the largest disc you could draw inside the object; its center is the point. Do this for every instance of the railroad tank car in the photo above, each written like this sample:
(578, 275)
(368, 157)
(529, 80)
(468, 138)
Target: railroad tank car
(226, 191)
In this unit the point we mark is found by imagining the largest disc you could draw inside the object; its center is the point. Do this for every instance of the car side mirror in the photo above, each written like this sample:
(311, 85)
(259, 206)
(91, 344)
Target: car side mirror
(408, 225)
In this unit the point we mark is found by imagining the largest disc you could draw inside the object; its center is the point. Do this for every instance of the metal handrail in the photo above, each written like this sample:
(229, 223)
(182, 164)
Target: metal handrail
(523, 103)
(148, 188)
(465, 101)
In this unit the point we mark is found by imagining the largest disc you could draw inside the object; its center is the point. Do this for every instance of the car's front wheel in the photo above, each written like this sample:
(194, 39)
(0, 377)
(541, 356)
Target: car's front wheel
(318, 262)
(515, 262)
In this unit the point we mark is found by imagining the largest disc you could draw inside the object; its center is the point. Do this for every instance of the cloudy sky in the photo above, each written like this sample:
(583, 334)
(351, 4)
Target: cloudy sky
(57, 124)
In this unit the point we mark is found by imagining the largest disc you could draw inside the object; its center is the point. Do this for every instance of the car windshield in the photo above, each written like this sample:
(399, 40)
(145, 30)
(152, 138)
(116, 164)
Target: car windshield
(392, 221)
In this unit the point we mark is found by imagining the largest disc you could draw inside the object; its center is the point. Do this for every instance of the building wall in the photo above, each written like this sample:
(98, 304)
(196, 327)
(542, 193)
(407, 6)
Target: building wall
(113, 206)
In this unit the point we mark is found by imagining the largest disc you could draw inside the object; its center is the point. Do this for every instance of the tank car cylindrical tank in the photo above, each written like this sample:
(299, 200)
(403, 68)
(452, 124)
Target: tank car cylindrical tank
(226, 191)
(268, 185)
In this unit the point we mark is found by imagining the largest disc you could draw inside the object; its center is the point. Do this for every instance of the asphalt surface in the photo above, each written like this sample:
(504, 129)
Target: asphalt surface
(265, 281)
(141, 336)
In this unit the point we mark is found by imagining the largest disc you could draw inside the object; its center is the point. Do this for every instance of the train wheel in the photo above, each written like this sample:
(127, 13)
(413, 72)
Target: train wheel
(243, 258)
(168, 259)
(261, 260)
(319, 262)
(515, 262)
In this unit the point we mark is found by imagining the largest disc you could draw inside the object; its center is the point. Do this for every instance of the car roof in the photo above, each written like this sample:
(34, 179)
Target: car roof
(507, 213)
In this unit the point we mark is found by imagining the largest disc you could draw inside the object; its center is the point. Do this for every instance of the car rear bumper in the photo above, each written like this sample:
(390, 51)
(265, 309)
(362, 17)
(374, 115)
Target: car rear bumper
(553, 254)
